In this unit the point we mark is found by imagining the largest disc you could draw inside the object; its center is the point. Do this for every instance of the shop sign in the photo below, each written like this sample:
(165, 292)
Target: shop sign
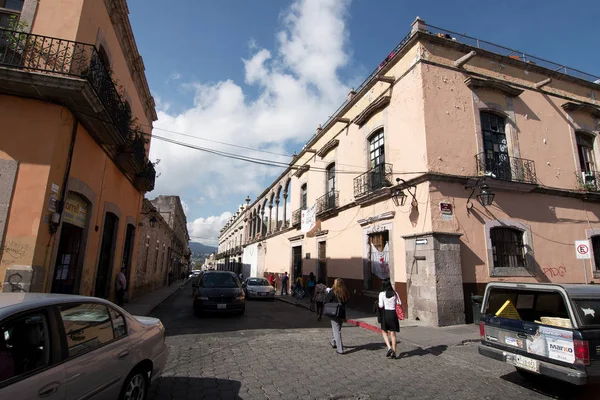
(75, 210)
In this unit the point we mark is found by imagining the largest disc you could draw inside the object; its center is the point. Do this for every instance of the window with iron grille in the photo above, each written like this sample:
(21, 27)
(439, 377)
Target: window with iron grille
(10, 11)
(303, 201)
(376, 151)
(508, 248)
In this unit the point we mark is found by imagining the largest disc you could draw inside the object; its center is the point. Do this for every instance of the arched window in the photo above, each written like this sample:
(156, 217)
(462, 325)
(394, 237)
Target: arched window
(376, 149)
(508, 249)
(330, 179)
(303, 197)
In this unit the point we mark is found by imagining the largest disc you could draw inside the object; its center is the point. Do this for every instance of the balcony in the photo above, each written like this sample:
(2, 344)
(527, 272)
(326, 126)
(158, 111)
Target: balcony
(328, 203)
(68, 73)
(144, 181)
(589, 181)
(131, 156)
(374, 179)
(297, 217)
(506, 168)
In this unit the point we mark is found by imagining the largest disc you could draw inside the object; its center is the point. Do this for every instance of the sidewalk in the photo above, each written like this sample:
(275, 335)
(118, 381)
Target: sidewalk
(146, 303)
(411, 331)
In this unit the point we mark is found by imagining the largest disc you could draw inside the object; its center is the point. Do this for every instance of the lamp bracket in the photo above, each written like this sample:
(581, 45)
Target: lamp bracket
(414, 201)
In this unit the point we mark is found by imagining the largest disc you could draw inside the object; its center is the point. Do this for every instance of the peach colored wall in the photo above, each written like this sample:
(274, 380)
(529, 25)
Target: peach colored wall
(110, 185)
(39, 166)
(58, 18)
(555, 223)
(542, 131)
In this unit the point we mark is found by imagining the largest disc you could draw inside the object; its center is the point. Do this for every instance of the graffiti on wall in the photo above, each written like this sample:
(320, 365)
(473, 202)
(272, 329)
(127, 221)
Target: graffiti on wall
(553, 272)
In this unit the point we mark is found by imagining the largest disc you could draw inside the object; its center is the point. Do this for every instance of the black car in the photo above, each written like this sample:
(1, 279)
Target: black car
(218, 292)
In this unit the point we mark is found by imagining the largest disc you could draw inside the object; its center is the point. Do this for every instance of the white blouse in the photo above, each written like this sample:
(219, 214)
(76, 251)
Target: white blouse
(388, 304)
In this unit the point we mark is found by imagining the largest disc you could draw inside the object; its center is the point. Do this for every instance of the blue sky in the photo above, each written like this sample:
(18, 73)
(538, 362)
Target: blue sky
(222, 69)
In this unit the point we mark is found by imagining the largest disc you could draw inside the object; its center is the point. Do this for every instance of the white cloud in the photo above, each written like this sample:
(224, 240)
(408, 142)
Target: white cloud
(173, 77)
(206, 230)
(298, 87)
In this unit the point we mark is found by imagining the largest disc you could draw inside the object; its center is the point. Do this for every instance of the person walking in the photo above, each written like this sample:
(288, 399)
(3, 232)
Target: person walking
(388, 298)
(337, 295)
(319, 297)
(310, 285)
(272, 281)
(121, 286)
(284, 283)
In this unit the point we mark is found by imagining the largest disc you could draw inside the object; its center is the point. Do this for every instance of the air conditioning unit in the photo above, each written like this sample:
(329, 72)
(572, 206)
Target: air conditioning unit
(588, 178)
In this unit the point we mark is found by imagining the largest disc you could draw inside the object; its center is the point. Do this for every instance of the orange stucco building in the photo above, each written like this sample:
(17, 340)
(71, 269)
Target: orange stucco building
(455, 163)
(77, 117)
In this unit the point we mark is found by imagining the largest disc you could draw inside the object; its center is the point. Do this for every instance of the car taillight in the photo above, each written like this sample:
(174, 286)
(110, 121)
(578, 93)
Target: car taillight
(482, 329)
(582, 352)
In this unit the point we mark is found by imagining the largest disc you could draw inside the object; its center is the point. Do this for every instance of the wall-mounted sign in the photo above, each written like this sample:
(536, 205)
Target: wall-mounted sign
(55, 188)
(446, 208)
(52, 203)
(421, 241)
(75, 210)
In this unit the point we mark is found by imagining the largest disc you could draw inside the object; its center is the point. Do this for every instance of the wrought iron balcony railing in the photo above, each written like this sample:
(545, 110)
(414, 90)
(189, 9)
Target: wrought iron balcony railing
(145, 180)
(297, 217)
(132, 154)
(43, 54)
(589, 181)
(376, 178)
(328, 202)
(506, 168)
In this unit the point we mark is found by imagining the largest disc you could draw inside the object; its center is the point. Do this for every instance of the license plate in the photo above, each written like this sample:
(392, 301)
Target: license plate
(526, 363)
(221, 306)
(262, 294)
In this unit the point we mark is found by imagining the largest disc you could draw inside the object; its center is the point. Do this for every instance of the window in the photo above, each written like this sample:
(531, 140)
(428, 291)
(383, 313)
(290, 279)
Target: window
(118, 322)
(10, 11)
(303, 200)
(596, 249)
(531, 305)
(330, 178)
(87, 326)
(585, 148)
(104, 58)
(376, 151)
(219, 280)
(156, 250)
(495, 146)
(24, 345)
(507, 247)
(379, 251)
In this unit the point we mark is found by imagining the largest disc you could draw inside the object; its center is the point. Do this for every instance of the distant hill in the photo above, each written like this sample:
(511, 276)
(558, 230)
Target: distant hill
(199, 248)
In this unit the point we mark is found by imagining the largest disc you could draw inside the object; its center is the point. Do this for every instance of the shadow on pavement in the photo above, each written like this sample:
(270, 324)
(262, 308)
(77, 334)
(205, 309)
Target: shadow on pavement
(368, 346)
(180, 387)
(553, 388)
(419, 351)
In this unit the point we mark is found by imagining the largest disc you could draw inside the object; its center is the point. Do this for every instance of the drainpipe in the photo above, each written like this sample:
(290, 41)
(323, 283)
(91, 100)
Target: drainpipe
(53, 226)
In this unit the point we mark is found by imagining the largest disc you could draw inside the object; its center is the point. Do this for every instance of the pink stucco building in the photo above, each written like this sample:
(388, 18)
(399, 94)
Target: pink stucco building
(457, 162)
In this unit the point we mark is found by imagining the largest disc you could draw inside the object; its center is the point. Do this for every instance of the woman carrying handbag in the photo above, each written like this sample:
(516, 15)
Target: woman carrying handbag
(390, 309)
(335, 308)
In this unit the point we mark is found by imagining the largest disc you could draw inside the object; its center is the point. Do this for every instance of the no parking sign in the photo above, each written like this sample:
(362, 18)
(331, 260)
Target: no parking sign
(582, 249)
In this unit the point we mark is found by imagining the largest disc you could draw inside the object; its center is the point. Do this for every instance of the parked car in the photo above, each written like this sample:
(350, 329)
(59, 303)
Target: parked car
(72, 347)
(218, 292)
(544, 329)
(258, 288)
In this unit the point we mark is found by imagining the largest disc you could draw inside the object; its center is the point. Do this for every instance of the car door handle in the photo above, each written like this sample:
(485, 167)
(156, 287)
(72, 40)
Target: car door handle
(123, 354)
(49, 389)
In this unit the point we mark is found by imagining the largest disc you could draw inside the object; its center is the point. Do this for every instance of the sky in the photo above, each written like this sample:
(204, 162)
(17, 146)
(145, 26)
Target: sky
(261, 75)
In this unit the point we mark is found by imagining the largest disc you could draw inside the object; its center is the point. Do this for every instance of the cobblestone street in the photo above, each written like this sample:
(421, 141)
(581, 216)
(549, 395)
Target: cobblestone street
(278, 351)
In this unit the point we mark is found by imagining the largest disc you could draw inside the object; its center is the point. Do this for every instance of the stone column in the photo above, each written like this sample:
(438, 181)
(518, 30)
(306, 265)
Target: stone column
(262, 222)
(277, 214)
(435, 293)
(269, 229)
(285, 224)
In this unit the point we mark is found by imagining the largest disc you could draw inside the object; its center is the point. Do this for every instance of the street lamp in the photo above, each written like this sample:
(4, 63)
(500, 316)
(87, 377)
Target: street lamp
(399, 197)
(485, 196)
(153, 220)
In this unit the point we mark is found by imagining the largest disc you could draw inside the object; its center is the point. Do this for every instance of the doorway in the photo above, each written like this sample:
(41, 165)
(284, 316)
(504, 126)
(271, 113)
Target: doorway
(107, 248)
(322, 267)
(296, 262)
(66, 274)
(128, 252)
(379, 251)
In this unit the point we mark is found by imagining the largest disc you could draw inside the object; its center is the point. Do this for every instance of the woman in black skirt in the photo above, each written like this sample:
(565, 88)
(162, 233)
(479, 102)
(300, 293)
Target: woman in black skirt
(388, 299)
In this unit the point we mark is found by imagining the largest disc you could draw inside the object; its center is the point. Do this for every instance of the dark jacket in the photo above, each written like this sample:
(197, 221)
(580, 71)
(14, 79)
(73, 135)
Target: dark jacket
(332, 298)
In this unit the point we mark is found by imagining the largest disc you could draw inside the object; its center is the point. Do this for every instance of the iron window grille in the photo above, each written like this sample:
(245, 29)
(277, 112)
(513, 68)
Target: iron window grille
(508, 248)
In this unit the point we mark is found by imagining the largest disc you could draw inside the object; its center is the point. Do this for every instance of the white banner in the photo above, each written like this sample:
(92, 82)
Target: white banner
(380, 262)
(309, 218)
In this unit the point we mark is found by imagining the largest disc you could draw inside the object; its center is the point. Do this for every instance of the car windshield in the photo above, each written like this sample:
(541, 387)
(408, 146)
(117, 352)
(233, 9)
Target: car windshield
(219, 281)
(258, 282)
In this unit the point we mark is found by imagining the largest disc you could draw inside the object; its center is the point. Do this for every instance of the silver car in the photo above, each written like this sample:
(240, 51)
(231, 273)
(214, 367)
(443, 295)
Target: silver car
(258, 288)
(57, 346)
